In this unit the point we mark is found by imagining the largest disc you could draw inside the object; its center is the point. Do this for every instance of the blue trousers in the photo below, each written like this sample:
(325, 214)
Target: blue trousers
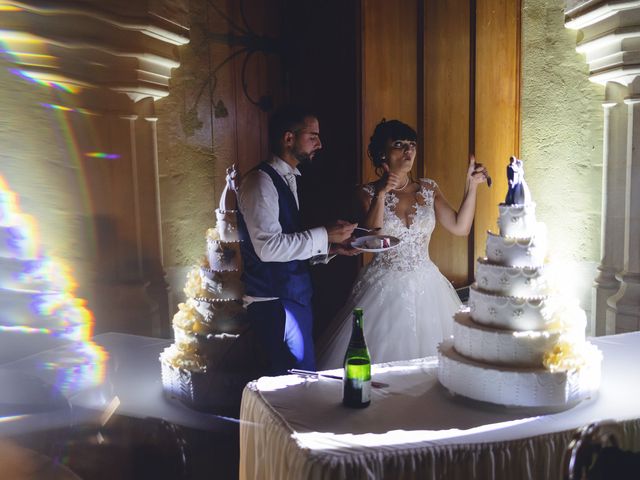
(284, 330)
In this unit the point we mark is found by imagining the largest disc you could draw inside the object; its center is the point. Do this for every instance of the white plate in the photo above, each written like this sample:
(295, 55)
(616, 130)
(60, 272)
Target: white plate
(361, 243)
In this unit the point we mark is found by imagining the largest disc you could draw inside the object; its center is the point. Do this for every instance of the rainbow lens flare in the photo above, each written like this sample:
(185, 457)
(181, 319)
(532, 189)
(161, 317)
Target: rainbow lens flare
(108, 156)
(37, 295)
(51, 80)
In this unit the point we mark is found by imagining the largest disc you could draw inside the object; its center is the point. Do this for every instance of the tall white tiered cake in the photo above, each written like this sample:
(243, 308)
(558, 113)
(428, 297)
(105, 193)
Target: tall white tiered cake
(212, 358)
(519, 342)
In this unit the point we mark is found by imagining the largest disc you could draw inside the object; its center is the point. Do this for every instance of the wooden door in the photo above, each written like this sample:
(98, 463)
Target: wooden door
(451, 70)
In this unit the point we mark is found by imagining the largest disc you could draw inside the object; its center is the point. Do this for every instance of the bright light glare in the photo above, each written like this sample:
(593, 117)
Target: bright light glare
(331, 441)
(12, 418)
(32, 59)
(271, 384)
(10, 36)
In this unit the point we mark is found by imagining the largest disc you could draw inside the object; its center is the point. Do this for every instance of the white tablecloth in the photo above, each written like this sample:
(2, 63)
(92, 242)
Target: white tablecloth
(131, 374)
(292, 428)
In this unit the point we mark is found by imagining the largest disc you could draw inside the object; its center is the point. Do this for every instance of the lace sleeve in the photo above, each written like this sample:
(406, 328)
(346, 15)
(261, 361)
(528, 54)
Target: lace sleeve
(368, 188)
(429, 184)
(428, 189)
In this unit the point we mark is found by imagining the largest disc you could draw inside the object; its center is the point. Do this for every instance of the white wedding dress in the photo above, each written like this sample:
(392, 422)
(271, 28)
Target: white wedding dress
(408, 304)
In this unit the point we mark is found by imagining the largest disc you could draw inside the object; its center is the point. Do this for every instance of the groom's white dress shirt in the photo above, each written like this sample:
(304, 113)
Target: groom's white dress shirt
(258, 203)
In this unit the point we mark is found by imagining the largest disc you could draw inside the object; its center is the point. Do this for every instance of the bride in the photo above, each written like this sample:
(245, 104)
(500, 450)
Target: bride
(408, 304)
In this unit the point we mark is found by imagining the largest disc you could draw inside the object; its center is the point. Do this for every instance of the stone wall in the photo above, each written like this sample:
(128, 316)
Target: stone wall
(561, 139)
(187, 160)
(208, 123)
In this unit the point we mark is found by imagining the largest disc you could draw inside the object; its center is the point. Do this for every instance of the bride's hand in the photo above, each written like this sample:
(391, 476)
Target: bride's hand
(390, 180)
(476, 173)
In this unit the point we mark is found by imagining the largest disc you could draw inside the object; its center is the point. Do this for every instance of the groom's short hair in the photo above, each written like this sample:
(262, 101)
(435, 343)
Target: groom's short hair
(289, 118)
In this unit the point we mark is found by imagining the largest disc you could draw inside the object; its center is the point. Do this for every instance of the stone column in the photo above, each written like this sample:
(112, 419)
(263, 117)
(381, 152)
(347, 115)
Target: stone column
(609, 41)
(606, 284)
(624, 306)
(135, 190)
(158, 286)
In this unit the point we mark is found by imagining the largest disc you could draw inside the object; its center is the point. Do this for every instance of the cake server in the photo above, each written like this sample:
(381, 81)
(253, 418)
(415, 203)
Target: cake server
(309, 373)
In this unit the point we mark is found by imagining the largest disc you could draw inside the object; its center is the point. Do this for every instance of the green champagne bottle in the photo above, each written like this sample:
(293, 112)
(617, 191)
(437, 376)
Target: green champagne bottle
(357, 367)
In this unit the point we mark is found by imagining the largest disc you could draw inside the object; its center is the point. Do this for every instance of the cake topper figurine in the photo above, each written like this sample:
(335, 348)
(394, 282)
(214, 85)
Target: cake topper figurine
(228, 200)
(518, 193)
(233, 179)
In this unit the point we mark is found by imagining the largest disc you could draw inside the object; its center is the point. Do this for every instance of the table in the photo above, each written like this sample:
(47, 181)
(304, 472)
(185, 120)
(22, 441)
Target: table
(46, 412)
(297, 428)
(131, 373)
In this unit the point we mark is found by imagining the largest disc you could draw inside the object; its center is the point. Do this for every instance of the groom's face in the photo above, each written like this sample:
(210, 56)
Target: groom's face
(307, 140)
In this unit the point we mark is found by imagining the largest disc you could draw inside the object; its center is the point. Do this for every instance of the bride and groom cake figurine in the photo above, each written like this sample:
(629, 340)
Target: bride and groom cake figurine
(518, 192)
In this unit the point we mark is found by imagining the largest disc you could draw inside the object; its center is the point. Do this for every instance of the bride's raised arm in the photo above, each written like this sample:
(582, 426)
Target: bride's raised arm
(459, 222)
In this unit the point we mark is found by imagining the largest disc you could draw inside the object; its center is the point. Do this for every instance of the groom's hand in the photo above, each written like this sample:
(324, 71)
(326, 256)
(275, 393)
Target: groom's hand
(340, 231)
(344, 249)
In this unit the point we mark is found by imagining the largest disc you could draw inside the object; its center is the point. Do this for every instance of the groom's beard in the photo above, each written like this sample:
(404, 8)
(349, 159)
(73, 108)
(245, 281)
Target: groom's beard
(304, 158)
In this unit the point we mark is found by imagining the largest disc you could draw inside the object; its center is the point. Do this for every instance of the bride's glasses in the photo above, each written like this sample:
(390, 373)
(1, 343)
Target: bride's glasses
(403, 145)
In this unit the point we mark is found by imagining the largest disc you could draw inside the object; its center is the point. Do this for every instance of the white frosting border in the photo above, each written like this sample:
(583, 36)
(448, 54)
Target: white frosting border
(514, 386)
(511, 313)
(501, 347)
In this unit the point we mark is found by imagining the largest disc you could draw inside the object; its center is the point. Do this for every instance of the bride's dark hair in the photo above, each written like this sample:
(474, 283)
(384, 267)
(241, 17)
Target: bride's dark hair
(387, 130)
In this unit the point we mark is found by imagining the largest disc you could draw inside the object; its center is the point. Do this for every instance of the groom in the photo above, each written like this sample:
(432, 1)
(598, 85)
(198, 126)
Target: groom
(276, 250)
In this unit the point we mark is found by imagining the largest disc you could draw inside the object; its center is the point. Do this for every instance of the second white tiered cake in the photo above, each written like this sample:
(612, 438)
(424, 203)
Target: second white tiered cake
(212, 357)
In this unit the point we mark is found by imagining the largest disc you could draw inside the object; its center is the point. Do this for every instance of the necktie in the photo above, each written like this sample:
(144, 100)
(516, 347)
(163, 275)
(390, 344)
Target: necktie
(291, 181)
